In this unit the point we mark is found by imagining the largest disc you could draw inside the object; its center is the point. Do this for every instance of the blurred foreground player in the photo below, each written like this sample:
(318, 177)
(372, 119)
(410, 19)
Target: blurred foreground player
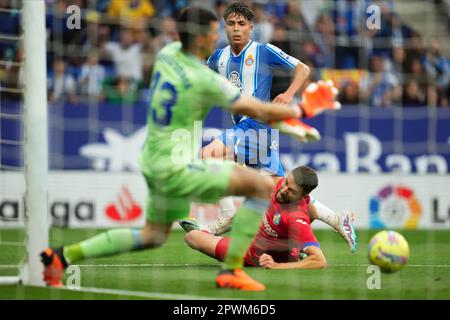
(183, 90)
(285, 234)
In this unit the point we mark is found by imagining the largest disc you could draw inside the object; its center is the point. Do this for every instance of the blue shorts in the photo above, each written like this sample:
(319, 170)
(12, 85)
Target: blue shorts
(255, 145)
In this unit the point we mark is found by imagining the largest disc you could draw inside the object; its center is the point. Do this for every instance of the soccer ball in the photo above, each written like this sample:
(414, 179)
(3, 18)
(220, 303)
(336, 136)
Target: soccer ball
(389, 250)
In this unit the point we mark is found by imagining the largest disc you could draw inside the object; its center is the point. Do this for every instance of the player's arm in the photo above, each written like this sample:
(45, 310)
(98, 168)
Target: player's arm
(263, 111)
(314, 260)
(301, 74)
(218, 91)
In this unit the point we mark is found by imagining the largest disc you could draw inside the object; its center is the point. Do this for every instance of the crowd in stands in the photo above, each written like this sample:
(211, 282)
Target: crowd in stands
(110, 57)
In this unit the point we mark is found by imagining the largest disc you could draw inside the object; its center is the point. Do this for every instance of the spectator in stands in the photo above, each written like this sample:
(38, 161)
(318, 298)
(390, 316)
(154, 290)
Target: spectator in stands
(382, 88)
(91, 76)
(437, 67)
(399, 32)
(349, 93)
(262, 28)
(126, 55)
(445, 99)
(167, 33)
(416, 71)
(295, 20)
(169, 8)
(415, 48)
(221, 6)
(325, 39)
(96, 34)
(11, 75)
(9, 25)
(120, 90)
(276, 10)
(413, 95)
(281, 79)
(398, 63)
(100, 5)
(61, 85)
(309, 51)
(134, 11)
(348, 16)
(149, 56)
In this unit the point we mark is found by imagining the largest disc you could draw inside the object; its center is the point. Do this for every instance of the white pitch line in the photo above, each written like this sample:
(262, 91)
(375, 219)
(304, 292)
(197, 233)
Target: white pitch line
(407, 265)
(9, 266)
(144, 265)
(12, 244)
(197, 265)
(137, 265)
(143, 294)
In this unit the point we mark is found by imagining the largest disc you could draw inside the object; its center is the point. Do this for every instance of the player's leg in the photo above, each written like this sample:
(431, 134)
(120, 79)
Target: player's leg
(257, 188)
(217, 149)
(341, 222)
(248, 149)
(204, 242)
(221, 147)
(161, 211)
(210, 181)
(111, 242)
(116, 241)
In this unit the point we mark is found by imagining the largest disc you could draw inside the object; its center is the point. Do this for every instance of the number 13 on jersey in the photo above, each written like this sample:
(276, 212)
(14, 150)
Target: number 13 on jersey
(163, 96)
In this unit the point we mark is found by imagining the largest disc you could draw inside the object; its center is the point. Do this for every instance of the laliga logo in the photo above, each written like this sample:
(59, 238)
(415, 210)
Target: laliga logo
(125, 209)
(395, 206)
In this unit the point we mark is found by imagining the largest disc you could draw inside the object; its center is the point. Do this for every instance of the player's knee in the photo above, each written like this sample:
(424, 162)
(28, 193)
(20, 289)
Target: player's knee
(153, 239)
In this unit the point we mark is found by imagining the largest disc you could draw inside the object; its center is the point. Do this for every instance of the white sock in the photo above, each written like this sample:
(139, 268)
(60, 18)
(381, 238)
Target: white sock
(226, 213)
(325, 214)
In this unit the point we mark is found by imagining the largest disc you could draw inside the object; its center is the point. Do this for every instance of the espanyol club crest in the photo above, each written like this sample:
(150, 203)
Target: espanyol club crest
(277, 218)
(249, 60)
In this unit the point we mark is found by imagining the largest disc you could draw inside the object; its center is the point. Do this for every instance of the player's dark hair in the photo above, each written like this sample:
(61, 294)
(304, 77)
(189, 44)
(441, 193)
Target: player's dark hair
(240, 9)
(193, 22)
(305, 178)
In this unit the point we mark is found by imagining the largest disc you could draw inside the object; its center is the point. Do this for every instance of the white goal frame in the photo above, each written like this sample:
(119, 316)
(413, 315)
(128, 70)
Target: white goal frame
(35, 145)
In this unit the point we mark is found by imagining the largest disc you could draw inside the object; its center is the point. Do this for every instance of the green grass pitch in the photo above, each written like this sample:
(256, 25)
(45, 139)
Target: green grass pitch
(175, 271)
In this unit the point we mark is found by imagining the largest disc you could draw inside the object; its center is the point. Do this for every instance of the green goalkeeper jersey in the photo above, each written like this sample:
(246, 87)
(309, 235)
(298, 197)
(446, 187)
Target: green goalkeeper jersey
(182, 91)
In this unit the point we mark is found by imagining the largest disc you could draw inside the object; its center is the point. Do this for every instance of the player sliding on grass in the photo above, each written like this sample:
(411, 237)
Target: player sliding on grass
(250, 65)
(284, 234)
(183, 90)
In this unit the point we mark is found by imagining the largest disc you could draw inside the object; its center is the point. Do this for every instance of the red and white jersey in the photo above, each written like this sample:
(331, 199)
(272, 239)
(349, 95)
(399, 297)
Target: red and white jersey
(285, 231)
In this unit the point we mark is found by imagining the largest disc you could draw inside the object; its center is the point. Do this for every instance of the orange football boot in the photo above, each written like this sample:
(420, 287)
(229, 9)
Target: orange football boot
(54, 266)
(238, 279)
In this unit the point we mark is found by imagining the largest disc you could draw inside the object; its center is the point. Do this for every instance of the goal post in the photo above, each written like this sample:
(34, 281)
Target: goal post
(35, 145)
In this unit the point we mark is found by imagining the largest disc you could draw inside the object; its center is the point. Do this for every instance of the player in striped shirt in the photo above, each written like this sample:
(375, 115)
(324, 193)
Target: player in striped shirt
(249, 65)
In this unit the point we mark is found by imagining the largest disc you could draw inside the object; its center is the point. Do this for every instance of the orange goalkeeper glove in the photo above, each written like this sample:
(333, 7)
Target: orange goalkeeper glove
(318, 97)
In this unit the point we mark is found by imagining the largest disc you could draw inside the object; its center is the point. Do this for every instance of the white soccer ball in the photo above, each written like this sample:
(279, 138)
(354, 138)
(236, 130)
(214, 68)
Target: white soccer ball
(389, 250)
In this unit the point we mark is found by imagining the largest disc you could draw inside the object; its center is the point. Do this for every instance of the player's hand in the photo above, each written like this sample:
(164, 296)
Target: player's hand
(266, 261)
(318, 97)
(283, 98)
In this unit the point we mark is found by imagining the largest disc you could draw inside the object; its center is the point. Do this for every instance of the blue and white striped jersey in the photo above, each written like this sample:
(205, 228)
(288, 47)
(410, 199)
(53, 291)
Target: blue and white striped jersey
(252, 69)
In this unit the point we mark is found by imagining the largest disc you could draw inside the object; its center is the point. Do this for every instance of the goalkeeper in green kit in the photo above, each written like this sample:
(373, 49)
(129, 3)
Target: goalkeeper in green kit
(182, 91)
